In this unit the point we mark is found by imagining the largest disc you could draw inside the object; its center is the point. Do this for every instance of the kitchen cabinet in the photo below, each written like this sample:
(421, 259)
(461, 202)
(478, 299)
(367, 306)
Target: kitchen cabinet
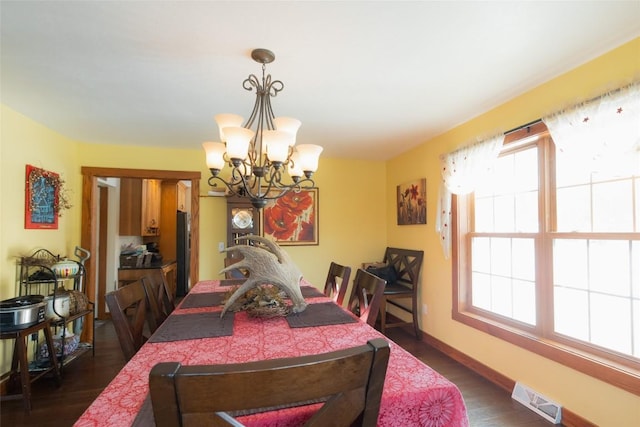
(140, 207)
(184, 197)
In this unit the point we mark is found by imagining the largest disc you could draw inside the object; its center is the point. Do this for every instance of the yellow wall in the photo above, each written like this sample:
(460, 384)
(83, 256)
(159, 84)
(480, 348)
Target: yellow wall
(590, 398)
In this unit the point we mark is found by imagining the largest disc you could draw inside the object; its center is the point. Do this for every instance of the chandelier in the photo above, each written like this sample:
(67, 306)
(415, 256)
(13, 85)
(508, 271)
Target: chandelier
(260, 151)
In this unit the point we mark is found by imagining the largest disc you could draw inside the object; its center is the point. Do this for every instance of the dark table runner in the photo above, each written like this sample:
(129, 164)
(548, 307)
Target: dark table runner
(326, 313)
(209, 299)
(180, 327)
(232, 282)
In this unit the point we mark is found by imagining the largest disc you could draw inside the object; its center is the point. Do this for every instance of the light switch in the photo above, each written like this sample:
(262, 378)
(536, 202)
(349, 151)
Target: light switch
(220, 246)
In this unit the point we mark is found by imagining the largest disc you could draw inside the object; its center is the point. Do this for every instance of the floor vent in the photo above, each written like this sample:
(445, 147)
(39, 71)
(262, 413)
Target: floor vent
(538, 403)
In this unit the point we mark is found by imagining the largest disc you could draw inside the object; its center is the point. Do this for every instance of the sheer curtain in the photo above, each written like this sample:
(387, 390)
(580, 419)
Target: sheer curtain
(461, 171)
(604, 132)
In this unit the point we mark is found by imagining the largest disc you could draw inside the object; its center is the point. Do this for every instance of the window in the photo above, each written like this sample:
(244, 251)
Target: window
(546, 255)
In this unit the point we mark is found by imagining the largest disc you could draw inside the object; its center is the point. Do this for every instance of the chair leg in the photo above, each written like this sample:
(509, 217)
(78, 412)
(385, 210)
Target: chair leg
(414, 315)
(383, 314)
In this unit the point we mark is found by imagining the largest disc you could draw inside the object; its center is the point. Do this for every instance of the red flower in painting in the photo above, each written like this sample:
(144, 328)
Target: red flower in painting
(414, 191)
(296, 202)
(279, 222)
(306, 233)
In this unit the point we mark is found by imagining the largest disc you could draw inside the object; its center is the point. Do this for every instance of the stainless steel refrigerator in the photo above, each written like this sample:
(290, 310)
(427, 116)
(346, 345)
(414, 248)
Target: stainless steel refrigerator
(183, 250)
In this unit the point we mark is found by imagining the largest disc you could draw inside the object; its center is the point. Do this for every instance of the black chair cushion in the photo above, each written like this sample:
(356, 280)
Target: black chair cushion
(387, 272)
(397, 289)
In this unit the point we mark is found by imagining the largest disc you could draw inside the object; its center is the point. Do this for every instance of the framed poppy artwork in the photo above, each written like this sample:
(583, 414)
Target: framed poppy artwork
(412, 202)
(41, 199)
(292, 220)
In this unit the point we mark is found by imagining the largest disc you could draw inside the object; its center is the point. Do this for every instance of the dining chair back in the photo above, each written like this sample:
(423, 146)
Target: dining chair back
(337, 282)
(159, 303)
(236, 273)
(348, 382)
(366, 296)
(406, 264)
(128, 307)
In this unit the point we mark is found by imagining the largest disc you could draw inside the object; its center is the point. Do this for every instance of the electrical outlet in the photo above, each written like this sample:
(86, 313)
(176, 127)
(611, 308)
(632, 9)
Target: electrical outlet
(220, 246)
(424, 308)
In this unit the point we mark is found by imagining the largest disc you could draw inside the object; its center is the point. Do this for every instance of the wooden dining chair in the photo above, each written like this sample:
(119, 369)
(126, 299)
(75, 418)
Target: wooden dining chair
(236, 273)
(406, 264)
(366, 296)
(337, 282)
(159, 303)
(348, 382)
(128, 307)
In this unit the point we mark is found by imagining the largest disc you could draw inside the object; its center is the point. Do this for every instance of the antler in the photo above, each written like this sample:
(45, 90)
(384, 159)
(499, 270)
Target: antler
(267, 264)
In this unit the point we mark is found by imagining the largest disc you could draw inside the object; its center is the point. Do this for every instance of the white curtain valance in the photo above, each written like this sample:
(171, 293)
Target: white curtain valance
(461, 171)
(600, 132)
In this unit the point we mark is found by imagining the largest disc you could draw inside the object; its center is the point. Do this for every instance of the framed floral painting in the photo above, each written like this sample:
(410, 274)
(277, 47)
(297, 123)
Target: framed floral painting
(412, 202)
(292, 220)
(41, 199)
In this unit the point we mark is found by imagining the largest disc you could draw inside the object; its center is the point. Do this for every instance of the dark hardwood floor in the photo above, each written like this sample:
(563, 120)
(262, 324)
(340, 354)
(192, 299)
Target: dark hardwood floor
(487, 404)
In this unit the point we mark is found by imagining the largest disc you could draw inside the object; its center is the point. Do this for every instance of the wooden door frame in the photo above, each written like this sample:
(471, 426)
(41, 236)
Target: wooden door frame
(90, 209)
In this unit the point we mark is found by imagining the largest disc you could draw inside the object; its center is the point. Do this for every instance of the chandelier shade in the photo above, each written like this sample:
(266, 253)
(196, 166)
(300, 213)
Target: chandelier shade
(262, 149)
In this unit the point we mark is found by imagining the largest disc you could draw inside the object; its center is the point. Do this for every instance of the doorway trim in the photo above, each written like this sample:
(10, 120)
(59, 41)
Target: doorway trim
(90, 209)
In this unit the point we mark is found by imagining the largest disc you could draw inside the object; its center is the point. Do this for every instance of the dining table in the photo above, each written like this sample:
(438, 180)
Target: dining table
(195, 334)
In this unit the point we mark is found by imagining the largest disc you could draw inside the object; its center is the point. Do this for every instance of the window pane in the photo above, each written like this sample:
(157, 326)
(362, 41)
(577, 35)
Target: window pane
(508, 201)
(526, 166)
(636, 327)
(571, 312)
(501, 257)
(635, 271)
(637, 209)
(504, 277)
(573, 207)
(609, 267)
(571, 172)
(527, 212)
(501, 296)
(611, 322)
(484, 214)
(570, 266)
(481, 295)
(612, 206)
(523, 259)
(504, 215)
(481, 259)
(523, 293)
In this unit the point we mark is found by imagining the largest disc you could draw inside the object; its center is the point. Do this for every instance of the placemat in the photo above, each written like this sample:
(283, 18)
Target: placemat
(310, 292)
(326, 313)
(180, 327)
(209, 299)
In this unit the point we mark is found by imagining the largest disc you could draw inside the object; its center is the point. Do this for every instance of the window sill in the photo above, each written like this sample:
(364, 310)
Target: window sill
(618, 375)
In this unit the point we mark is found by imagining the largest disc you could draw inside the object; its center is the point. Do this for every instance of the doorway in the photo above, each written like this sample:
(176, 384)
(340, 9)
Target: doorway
(90, 213)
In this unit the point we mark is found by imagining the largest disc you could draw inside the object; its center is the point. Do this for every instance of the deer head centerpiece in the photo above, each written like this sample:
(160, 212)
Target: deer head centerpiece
(267, 264)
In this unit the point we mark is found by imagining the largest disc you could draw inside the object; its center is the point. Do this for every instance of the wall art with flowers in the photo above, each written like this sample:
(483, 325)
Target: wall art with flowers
(412, 202)
(45, 198)
(292, 220)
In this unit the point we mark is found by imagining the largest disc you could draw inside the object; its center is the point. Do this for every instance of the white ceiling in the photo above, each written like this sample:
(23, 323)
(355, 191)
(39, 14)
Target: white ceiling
(368, 79)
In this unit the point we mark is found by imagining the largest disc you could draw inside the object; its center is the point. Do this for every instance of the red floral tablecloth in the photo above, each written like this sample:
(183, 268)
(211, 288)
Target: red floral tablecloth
(414, 394)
